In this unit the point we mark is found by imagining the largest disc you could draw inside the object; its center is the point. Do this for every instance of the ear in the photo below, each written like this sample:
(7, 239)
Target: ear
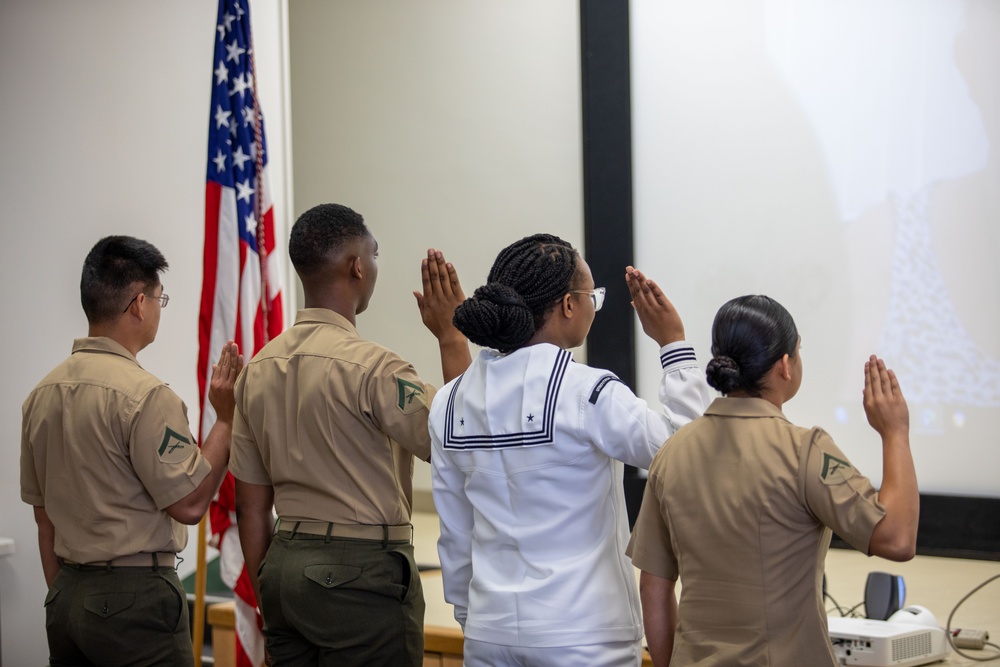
(138, 307)
(355, 268)
(567, 306)
(785, 368)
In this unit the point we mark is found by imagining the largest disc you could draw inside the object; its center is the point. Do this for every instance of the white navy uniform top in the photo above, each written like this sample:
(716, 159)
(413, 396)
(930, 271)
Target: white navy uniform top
(527, 468)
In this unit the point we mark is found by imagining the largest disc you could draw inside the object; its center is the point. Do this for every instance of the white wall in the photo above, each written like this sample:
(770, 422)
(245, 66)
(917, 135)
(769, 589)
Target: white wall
(840, 156)
(105, 108)
(445, 123)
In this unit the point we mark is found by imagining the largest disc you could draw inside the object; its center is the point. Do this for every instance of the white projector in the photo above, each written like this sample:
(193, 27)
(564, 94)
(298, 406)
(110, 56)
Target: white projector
(862, 641)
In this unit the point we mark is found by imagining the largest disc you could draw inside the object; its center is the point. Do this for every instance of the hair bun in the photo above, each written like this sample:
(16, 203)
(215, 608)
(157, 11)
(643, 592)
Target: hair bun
(501, 295)
(724, 362)
(496, 316)
(723, 373)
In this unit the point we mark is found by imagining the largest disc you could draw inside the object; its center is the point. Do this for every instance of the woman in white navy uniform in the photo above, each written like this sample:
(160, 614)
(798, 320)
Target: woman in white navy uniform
(527, 463)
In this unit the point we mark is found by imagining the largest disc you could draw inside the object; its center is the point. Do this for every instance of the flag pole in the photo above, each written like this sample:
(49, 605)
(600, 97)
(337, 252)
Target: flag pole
(258, 142)
(230, 305)
(200, 576)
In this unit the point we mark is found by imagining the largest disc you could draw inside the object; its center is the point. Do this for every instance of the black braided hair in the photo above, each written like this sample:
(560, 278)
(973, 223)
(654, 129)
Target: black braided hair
(527, 279)
(749, 334)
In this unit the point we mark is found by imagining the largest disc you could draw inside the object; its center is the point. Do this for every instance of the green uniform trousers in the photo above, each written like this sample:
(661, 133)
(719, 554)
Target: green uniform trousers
(97, 616)
(341, 601)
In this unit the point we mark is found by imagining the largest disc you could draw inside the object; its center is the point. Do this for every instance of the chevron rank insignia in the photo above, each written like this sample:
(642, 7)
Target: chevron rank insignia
(410, 396)
(174, 447)
(834, 470)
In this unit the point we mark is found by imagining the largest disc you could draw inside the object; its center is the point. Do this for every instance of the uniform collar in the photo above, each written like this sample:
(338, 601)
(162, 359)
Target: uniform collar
(324, 316)
(547, 349)
(744, 407)
(102, 344)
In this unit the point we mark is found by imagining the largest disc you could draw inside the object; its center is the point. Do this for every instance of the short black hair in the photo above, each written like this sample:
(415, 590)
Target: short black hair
(320, 231)
(110, 271)
(749, 334)
(527, 278)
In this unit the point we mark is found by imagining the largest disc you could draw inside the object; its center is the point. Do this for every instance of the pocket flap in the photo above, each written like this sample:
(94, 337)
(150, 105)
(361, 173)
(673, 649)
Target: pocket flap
(108, 604)
(331, 576)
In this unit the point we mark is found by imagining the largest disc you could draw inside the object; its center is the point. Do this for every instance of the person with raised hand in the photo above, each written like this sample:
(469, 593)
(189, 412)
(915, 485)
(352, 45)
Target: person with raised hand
(528, 462)
(112, 471)
(740, 505)
(326, 431)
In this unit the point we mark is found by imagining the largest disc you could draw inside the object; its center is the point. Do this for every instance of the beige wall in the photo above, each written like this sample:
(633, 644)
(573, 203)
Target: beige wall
(105, 109)
(451, 124)
(445, 123)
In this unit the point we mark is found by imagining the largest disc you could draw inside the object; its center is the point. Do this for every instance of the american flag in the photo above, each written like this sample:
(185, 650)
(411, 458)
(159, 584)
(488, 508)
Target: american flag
(239, 267)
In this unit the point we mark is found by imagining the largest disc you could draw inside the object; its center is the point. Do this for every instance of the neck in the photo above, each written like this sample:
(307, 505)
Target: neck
(555, 330)
(541, 337)
(344, 306)
(767, 394)
(117, 333)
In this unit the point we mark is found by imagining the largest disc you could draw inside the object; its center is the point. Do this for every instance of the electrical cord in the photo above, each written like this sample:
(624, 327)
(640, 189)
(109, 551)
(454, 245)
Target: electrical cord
(951, 639)
(836, 605)
(844, 613)
(850, 612)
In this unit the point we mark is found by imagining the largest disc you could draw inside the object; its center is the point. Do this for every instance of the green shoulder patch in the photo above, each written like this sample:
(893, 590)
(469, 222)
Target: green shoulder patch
(410, 396)
(834, 470)
(175, 447)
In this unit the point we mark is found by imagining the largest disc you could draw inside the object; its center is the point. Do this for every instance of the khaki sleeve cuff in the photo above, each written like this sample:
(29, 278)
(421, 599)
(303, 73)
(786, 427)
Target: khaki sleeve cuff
(186, 485)
(35, 500)
(653, 565)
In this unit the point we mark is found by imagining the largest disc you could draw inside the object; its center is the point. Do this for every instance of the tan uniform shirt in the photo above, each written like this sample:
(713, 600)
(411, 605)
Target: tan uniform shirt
(332, 422)
(740, 504)
(105, 447)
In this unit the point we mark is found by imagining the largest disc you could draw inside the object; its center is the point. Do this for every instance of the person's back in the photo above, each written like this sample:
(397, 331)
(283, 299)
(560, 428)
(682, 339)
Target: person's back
(733, 488)
(327, 427)
(542, 467)
(112, 471)
(740, 504)
(87, 431)
(340, 454)
(528, 464)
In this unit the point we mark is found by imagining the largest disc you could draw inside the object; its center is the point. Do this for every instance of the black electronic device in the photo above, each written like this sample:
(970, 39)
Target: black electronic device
(885, 594)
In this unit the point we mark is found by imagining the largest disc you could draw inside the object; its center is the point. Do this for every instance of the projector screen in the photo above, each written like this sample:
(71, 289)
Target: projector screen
(840, 157)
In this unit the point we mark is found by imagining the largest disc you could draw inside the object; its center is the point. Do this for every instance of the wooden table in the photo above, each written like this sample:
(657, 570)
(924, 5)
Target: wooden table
(936, 583)
(443, 644)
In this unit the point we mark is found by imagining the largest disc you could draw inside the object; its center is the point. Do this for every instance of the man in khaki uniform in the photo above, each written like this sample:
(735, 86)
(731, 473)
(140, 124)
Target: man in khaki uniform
(111, 468)
(327, 425)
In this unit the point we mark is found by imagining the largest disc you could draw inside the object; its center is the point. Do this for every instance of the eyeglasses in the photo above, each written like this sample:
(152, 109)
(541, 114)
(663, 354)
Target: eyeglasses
(596, 295)
(163, 299)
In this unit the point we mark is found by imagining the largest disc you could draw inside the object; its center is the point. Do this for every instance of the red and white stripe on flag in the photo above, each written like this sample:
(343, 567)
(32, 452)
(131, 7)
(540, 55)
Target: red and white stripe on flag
(241, 289)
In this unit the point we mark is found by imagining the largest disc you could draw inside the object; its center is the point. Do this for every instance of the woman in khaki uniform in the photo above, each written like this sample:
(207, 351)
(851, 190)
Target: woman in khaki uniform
(740, 504)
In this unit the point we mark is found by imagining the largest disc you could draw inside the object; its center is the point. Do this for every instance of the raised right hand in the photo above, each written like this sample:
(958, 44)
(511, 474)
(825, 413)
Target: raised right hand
(884, 404)
(220, 388)
(660, 320)
(442, 294)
